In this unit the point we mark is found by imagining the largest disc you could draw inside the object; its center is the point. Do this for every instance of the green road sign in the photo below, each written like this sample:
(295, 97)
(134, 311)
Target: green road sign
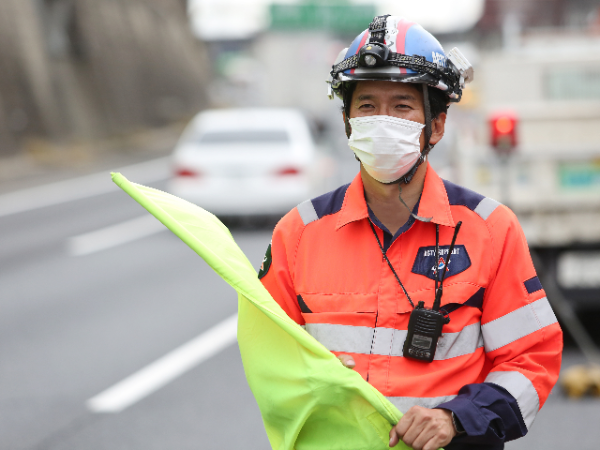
(338, 16)
(581, 175)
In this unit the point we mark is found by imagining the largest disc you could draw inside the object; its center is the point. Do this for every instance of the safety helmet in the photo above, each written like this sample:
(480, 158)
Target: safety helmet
(395, 49)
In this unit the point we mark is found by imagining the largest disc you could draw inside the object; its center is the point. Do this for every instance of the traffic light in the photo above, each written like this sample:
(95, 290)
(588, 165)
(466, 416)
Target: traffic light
(503, 132)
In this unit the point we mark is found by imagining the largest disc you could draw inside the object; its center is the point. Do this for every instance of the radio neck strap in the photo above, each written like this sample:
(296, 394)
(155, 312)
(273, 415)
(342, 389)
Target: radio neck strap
(390, 264)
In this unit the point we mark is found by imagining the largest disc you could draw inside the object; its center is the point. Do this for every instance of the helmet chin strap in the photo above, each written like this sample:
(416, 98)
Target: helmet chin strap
(347, 99)
(427, 109)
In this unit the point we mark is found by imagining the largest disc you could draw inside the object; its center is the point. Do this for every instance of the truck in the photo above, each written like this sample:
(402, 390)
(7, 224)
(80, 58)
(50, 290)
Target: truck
(550, 85)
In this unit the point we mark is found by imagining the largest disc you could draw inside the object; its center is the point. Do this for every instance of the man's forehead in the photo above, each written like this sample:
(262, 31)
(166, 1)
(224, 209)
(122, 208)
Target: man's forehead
(389, 89)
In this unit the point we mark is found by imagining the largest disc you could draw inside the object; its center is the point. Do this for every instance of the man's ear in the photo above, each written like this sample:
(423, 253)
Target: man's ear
(438, 126)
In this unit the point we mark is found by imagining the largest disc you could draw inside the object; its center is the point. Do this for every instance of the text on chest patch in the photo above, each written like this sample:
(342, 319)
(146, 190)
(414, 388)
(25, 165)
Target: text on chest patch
(426, 263)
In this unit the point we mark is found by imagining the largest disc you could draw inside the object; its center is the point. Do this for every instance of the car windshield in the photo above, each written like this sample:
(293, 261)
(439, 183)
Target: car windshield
(245, 137)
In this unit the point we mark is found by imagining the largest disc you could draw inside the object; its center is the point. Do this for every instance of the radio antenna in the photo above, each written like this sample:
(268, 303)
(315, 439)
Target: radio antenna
(440, 290)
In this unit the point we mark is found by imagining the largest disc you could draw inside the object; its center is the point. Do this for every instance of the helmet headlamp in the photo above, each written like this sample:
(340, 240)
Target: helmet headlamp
(373, 55)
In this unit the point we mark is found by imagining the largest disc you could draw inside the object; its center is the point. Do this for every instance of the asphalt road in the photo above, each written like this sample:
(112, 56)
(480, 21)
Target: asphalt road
(73, 325)
(85, 305)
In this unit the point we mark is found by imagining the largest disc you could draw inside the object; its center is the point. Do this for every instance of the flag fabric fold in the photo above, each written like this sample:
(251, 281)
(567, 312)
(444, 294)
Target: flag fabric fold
(307, 398)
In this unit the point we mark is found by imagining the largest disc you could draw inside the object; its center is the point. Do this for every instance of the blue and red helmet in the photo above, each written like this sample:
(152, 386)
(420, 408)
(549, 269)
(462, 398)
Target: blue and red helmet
(395, 49)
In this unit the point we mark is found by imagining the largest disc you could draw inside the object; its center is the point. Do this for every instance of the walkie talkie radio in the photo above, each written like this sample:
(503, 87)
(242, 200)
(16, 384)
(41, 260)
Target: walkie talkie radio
(425, 325)
(424, 330)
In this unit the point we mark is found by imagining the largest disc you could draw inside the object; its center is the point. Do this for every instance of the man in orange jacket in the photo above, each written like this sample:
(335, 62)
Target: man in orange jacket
(427, 289)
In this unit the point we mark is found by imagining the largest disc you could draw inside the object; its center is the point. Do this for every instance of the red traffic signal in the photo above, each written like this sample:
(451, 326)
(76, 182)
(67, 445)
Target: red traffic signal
(503, 131)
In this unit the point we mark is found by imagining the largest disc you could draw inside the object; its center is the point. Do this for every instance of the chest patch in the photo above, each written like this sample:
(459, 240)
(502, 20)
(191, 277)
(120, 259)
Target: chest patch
(425, 262)
(266, 264)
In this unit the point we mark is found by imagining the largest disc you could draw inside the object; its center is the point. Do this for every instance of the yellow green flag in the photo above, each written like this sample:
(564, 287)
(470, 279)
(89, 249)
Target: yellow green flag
(307, 398)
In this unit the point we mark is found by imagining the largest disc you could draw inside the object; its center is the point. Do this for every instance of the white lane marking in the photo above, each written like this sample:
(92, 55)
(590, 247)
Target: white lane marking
(161, 372)
(81, 187)
(114, 235)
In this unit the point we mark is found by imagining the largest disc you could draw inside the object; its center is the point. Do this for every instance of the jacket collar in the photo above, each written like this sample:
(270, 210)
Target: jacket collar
(354, 206)
(434, 201)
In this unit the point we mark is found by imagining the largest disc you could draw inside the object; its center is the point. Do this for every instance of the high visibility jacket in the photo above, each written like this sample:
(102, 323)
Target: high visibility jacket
(498, 357)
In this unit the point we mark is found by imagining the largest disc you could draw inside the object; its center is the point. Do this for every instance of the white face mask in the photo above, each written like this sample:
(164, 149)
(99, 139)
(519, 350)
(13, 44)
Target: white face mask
(387, 146)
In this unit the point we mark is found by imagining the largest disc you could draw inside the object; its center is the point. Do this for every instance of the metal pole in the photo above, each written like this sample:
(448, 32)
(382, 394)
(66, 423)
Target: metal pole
(504, 179)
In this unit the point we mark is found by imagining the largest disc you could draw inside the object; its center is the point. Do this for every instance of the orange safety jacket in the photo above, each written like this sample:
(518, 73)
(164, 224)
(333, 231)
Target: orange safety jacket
(502, 345)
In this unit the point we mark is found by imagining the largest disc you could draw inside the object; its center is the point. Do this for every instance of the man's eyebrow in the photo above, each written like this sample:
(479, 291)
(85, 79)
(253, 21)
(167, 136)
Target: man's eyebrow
(394, 97)
(404, 97)
(364, 97)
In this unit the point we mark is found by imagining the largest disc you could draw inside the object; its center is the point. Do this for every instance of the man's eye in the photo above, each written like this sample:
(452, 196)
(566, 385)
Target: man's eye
(366, 105)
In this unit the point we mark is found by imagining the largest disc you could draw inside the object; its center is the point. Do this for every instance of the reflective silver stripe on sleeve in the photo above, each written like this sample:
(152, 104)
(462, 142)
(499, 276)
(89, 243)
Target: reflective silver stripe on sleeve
(517, 324)
(543, 312)
(462, 343)
(405, 403)
(521, 388)
(486, 207)
(342, 338)
(389, 341)
(307, 212)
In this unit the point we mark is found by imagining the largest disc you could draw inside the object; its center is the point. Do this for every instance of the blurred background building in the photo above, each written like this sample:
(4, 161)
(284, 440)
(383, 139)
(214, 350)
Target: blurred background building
(80, 70)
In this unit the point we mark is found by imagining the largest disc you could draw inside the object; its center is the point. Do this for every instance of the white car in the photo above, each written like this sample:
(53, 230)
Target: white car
(245, 162)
